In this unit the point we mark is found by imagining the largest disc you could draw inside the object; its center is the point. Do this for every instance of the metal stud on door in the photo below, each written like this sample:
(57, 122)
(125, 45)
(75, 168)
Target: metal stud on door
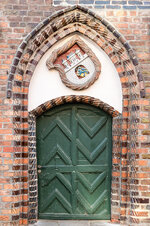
(74, 159)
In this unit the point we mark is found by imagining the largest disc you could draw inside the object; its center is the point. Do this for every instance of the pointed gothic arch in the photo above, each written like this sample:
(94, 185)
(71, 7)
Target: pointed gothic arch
(67, 21)
(47, 33)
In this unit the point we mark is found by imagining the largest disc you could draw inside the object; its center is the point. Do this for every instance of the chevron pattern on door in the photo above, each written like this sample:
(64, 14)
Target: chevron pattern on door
(74, 163)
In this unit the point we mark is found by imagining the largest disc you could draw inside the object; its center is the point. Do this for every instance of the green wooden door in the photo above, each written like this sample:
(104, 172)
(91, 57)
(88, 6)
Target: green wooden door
(74, 163)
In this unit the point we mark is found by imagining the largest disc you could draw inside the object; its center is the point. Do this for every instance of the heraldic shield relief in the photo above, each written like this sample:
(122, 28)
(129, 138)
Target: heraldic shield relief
(78, 66)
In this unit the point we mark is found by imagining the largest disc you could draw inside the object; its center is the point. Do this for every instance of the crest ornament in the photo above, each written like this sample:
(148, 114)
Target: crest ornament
(78, 66)
(81, 71)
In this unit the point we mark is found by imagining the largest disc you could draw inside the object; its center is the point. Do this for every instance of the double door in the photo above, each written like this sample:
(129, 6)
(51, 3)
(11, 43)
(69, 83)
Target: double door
(74, 163)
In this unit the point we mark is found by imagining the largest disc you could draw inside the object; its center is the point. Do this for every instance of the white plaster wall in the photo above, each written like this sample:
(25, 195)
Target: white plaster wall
(46, 85)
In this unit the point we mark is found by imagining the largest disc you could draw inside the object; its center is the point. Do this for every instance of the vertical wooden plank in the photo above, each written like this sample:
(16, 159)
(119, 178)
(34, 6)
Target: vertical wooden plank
(74, 131)
(74, 157)
(74, 188)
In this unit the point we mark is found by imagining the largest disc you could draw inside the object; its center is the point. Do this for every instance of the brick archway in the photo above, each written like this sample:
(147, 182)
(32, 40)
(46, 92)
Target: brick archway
(33, 184)
(47, 33)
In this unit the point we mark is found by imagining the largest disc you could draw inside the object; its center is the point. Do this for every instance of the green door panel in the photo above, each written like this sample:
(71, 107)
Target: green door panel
(74, 143)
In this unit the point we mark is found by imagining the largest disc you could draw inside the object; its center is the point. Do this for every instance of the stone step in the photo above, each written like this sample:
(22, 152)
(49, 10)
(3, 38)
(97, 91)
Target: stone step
(72, 223)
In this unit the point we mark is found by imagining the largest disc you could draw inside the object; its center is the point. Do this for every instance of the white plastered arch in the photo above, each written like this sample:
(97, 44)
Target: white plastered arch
(46, 85)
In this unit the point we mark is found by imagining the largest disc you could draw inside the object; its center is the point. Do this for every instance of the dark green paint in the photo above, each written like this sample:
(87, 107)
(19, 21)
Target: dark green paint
(74, 155)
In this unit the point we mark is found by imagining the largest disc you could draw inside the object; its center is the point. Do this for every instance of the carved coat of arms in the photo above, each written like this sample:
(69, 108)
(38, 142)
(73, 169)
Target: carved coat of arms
(78, 66)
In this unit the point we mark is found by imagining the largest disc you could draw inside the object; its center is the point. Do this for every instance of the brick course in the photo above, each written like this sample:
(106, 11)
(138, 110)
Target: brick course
(18, 18)
(106, 4)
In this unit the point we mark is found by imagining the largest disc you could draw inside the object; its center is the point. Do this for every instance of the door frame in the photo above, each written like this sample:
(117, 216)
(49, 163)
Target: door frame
(33, 178)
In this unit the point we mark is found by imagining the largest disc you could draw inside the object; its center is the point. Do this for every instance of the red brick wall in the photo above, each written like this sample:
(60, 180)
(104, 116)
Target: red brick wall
(18, 18)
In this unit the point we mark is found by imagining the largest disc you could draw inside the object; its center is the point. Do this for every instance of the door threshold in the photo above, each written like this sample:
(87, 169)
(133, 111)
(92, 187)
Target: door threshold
(73, 223)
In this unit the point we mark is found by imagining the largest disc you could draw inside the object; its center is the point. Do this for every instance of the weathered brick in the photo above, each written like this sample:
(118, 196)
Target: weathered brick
(16, 22)
(146, 156)
(4, 218)
(135, 2)
(86, 2)
(102, 2)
